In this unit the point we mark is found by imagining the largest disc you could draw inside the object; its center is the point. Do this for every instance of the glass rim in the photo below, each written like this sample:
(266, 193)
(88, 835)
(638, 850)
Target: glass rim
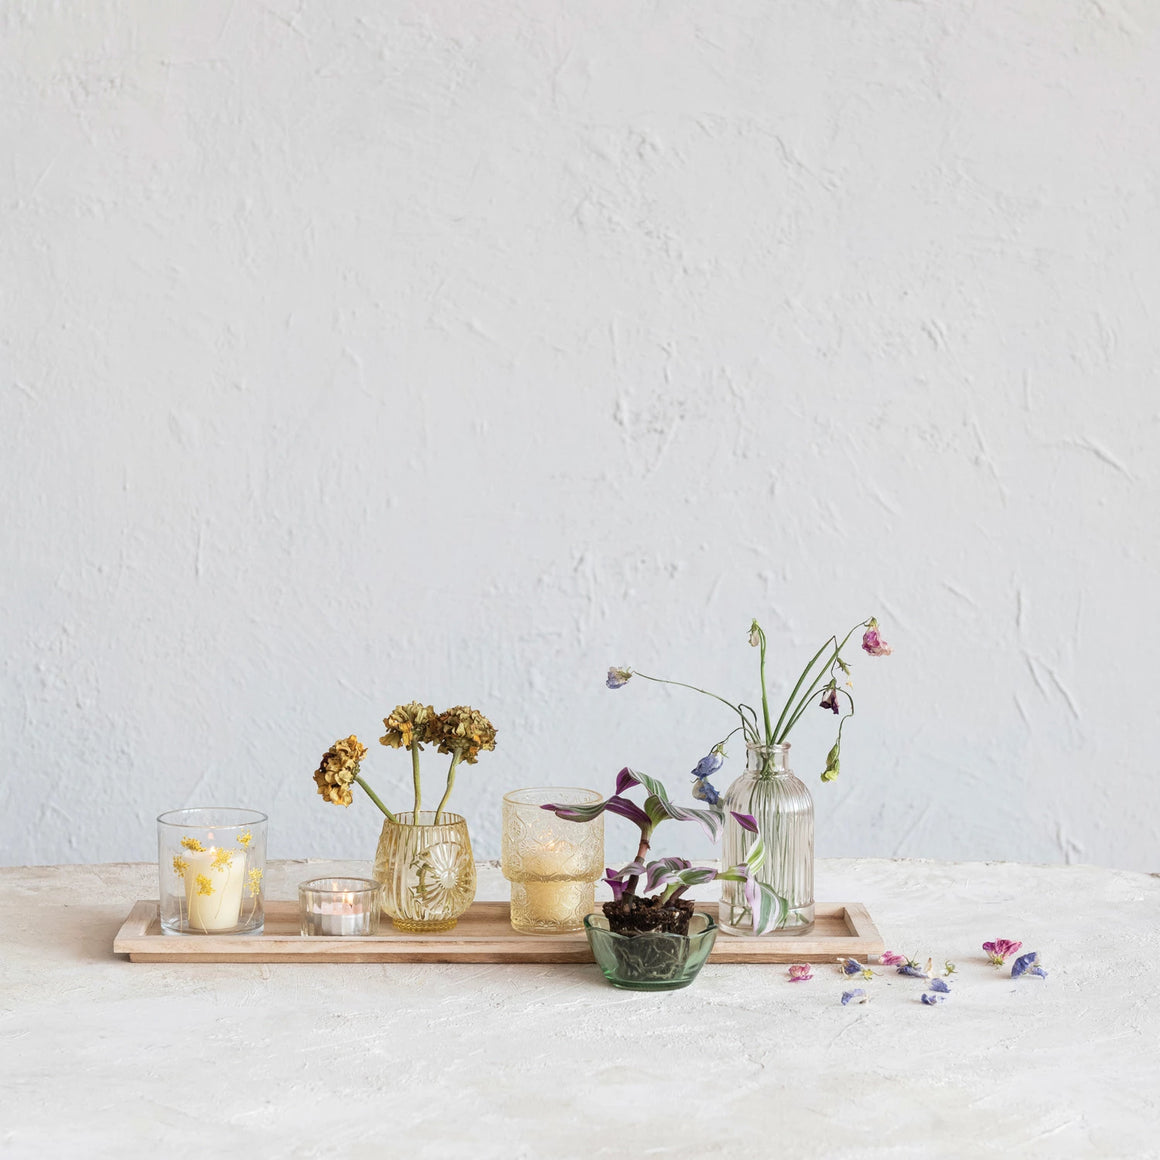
(601, 924)
(585, 796)
(254, 818)
(761, 747)
(326, 886)
(449, 819)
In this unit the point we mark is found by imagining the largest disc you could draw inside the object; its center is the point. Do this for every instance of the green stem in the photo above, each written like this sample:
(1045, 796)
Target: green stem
(764, 696)
(374, 797)
(450, 782)
(778, 735)
(415, 778)
(681, 684)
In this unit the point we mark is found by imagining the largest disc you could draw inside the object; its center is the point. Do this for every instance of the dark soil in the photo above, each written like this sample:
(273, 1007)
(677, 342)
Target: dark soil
(635, 915)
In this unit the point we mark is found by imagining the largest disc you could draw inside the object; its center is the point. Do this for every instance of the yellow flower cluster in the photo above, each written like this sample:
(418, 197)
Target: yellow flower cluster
(204, 885)
(463, 732)
(180, 865)
(222, 859)
(245, 839)
(407, 725)
(338, 769)
(193, 844)
(255, 882)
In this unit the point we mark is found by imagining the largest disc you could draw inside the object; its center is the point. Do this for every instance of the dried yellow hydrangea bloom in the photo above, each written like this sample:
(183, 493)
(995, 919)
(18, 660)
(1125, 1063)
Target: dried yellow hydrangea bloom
(407, 725)
(462, 731)
(338, 769)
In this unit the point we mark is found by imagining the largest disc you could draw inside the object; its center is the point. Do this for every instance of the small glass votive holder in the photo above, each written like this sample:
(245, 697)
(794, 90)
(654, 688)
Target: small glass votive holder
(339, 907)
(552, 864)
(211, 862)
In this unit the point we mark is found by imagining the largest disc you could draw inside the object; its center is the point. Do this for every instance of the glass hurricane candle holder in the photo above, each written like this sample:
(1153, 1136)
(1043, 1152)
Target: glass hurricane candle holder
(211, 862)
(342, 907)
(553, 865)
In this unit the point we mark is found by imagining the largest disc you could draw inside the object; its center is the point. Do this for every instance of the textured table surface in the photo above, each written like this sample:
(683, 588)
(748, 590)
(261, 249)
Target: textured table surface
(100, 1057)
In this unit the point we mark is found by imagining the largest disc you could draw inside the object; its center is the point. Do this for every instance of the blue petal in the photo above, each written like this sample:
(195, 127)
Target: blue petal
(914, 972)
(939, 985)
(848, 996)
(703, 791)
(1024, 963)
(931, 1000)
(852, 967)
(708, 765)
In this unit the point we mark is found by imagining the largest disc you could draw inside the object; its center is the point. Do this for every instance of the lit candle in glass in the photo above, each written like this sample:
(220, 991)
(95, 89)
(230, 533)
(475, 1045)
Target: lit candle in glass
(339, 907)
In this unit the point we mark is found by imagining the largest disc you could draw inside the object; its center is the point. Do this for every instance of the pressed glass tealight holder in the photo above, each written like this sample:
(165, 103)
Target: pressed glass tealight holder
(342, 907)
(552, 864)
(211, 861)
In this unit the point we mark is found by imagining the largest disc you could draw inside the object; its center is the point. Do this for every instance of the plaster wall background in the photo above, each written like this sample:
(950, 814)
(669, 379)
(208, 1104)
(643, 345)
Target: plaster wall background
(355, 353)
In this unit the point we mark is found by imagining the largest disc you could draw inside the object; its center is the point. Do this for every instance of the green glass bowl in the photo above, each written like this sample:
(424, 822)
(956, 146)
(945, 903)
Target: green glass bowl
(651, 962)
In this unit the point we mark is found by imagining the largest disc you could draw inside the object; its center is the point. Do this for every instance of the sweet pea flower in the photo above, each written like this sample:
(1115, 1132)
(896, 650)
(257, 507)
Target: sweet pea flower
(890, 959)
(704, 791)
(940, 986)
(618, 678)
(1000, 949)
(830, 700)
(709, 764)
(754, 635)
(933, 1000)
(873, 643)
(857, 995)
(800, 973)
(853, 967)
(911, 968)
(1028, 964)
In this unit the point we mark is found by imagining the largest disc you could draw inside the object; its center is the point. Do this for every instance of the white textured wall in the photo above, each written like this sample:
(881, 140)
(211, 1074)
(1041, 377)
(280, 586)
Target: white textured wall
(359, 352)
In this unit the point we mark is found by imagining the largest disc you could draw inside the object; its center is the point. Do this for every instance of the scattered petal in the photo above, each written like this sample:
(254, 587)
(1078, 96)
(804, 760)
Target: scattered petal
(853, 967)
(857, 995)
(800, 973)
(931, 1000)
(1028, 964)
(890, 959)
(999, 950)
(913, 971)
(940, 986)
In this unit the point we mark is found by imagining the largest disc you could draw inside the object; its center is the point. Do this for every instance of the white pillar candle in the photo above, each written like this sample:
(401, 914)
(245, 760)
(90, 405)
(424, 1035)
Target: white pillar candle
(551, 894)
(213, 887)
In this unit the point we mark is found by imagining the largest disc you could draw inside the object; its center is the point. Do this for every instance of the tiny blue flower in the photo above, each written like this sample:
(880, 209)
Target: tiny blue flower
(857, 995)
(1027, 964)
(932, 1000)
(939, 985)
(617, 678)
(704, 791)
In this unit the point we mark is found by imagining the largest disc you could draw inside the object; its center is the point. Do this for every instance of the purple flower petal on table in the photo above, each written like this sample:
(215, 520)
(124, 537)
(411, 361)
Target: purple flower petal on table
(931, 1000)
(939, 985)
(1028, 964)
(999, 950)
(857, 995)
(912, 970)
(800, 973)
(745, 821)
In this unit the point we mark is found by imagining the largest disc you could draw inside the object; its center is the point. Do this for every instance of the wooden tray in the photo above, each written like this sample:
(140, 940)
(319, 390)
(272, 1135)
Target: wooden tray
(482, 935)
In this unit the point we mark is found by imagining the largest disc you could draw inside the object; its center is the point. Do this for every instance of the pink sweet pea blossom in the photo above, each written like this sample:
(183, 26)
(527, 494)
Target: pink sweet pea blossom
(873, 643)
(800, 973)
(998, 950)
(890, 959)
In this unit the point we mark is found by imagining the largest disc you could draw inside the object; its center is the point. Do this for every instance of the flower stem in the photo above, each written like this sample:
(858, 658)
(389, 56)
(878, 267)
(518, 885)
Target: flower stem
(447, 792)
(764, 696)
(374, 797)
(415, 778)
(681, 684)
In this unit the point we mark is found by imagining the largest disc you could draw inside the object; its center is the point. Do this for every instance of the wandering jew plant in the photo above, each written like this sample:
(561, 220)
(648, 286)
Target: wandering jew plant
(822, 675)
(630, 912)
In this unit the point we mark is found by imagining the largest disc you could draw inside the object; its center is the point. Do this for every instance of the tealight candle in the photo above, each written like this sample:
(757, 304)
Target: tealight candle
(339, 907)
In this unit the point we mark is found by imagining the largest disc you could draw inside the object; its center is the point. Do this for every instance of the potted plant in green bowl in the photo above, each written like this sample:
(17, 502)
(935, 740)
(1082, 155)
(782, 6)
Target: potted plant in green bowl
(649, 937)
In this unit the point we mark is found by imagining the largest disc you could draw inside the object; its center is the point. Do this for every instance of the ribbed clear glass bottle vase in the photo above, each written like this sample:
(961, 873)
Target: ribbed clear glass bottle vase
(784, 811)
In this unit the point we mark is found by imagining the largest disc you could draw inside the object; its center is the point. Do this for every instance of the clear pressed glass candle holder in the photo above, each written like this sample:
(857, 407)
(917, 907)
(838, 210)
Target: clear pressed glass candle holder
(552, 864)
(339, 907)
(211, 862)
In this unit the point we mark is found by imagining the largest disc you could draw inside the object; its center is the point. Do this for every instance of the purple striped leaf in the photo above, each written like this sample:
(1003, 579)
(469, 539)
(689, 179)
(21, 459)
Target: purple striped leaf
(746, 821)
